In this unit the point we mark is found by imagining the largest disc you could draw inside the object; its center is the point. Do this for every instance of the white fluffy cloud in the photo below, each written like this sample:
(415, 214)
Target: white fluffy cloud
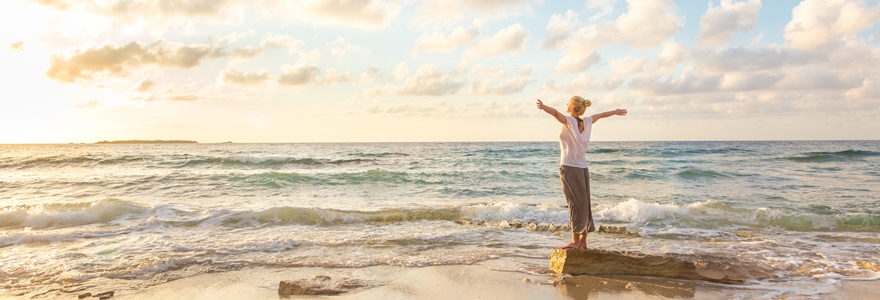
(645, 25)
(269, 41)
(558, 29)
(428, 81)
(366, 14)
(453, 10)
(237, 77)
(628, 65)
(298, 75)
(118, 60)
(575, 62)
(819, 24)
(494, 81)
(719, 23)
(332, 76)
(511, 39)
(442, 42)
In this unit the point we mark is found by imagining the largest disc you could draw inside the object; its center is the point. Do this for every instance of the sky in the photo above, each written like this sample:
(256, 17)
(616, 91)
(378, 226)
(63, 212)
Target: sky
(82, 71)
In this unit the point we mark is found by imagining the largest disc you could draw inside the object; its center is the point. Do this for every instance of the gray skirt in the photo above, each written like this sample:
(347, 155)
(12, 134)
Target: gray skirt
(576, 187)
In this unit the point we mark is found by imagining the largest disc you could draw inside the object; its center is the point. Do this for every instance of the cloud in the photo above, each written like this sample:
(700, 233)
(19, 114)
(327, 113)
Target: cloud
(747, 59)
(371, 75)
(298, 75)
(581, 84)
(59, 4)
(86, 105)
(269, 41)
(645, 25)
(331, 76)
(152, 9)
(495, 87)
(16, 46)
(628, 65)
(491, 81)
(423, 109)
(869, 89)
(510, 39)
(441, 42)
(428, 81)
(238, 77)
(814, 79)
(575, 62)
(117, 60)
(670, 55)
(559, 29)
(366, 14)
(144, 85)
(719, 23)
(689, 82)
(400, 71)
(188, 8)
(478, 10)
(342, 47)
(819, 24)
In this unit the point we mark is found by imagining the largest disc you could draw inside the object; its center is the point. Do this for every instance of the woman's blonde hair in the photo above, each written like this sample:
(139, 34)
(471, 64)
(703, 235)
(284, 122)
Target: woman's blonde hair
(578, 105)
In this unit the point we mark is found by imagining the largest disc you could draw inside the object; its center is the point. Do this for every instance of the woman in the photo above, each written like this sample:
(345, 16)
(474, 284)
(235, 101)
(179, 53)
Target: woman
(573, 172)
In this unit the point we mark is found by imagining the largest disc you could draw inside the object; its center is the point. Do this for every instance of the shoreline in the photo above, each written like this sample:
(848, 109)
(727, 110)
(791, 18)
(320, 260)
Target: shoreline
(492, 279)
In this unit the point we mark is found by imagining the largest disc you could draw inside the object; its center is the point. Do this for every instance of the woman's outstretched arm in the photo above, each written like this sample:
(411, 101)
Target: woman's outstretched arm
(616, 112)
(552, 111)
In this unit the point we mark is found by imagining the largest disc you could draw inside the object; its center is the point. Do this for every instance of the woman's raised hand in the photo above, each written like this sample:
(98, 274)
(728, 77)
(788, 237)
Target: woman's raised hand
(620, 112)
(540, 104)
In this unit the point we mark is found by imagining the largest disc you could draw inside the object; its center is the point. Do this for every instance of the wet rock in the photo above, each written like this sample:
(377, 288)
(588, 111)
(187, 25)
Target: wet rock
(742, 234)
(617, 230)
(867, 266)
(104, 295)
(85, 295)
(600, 262)
(320, 285)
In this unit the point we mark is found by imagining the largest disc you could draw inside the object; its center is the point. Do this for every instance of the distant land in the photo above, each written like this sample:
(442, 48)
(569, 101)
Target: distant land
(148, 142)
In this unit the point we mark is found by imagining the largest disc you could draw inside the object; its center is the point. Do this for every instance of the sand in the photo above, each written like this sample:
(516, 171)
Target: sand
(492, 279)
(479, 281)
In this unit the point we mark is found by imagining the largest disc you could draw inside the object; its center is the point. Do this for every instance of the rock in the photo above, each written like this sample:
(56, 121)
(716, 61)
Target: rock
(867, 266)
(617, 230)
(86, 295)
(104, 295)
(742, 234)
(600, 262)
(526, 279)
(320, 285)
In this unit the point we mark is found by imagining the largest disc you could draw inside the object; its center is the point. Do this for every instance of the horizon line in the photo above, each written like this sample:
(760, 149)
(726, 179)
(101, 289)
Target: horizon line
(416, 142)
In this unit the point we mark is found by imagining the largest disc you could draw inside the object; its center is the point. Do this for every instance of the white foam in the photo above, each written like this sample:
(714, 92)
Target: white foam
(514, 212)
(77, 214)
(257, 159)
(635, 211)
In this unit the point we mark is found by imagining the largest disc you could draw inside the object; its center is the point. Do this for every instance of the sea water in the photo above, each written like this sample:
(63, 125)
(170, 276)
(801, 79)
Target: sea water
(70, 215)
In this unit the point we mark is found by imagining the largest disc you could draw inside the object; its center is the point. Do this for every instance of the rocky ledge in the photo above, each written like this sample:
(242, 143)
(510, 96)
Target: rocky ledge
(681, 266)
(321, 285)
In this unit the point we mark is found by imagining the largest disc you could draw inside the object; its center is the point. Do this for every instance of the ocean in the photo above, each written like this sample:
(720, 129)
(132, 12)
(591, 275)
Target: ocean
(131, 216)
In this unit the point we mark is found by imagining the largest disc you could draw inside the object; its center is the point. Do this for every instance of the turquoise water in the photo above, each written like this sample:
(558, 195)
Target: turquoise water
(88, 214)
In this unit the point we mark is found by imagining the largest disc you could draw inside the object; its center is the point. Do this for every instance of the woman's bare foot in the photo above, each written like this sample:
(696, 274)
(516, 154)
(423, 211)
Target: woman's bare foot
(582, 246)
(571, 245)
